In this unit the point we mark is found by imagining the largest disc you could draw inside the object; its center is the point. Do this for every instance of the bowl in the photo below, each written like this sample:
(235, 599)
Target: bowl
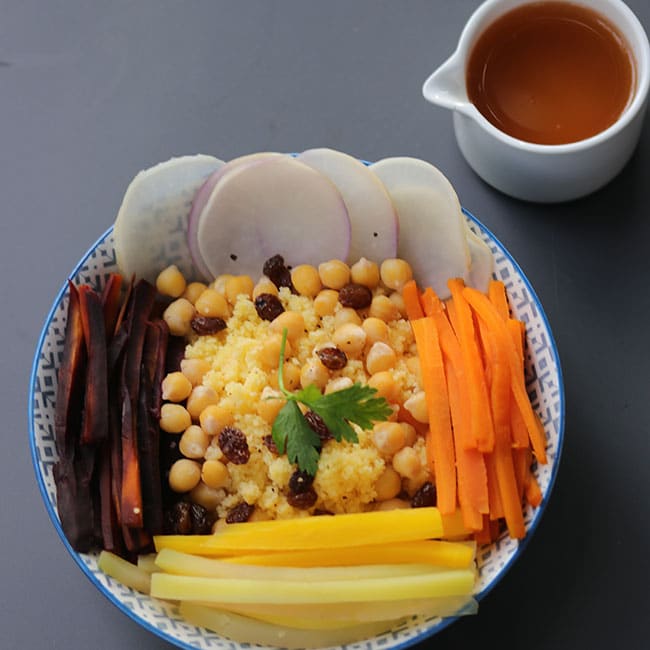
(544, 383)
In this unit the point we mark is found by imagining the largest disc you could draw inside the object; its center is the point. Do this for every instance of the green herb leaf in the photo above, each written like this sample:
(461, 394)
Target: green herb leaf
(291, 431)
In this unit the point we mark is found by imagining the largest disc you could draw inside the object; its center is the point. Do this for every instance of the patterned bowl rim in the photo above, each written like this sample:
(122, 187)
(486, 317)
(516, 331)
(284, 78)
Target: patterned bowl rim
(417, 638)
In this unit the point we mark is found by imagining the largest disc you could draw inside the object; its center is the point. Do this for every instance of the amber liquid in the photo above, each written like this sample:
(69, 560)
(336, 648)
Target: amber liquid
(551, 73)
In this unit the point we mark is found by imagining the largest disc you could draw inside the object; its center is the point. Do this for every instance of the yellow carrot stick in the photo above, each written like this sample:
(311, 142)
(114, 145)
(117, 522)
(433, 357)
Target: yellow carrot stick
(452, 582)
(453, 555)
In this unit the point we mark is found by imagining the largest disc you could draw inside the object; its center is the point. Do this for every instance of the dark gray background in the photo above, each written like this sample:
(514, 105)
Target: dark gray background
(92, 92)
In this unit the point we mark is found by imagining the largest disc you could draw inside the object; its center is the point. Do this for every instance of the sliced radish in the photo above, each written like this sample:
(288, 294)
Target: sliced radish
(202, 196)
(373, 219)
(431, 238)
(482, 265)
(150, 231)
(279, 206)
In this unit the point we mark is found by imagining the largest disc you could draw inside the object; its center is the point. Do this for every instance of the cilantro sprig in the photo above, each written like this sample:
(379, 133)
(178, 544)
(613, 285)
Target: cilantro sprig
(291, 431)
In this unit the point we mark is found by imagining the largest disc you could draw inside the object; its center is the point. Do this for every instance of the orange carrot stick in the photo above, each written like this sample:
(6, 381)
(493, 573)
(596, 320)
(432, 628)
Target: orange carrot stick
(481, 416)
(411, 297)
(470, 467)
(518, 430)
(533, 492)
(497, 357)
(440, 445)
(498, 297)
(489, 314)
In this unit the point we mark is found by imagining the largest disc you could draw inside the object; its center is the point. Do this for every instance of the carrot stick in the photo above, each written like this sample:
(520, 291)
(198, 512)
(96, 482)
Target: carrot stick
(518, 430)
(489, 314)
(521, 459)
(440, 445)
(470, 467)
(494, 496)
(533, 492)
(411, 297)
(498, 297)
(481, 417)
(497, 357)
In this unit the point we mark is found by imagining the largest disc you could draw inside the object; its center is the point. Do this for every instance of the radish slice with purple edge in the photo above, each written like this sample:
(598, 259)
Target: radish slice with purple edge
(201, 198)
(150, 231)
(482, 265)
(373, 219)
(279, 206)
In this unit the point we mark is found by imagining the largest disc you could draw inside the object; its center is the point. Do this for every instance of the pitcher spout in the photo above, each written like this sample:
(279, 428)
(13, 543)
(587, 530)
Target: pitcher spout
(446, 86)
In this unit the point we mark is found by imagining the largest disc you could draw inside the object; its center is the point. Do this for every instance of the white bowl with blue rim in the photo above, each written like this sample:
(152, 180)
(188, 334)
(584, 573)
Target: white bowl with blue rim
(544, 384)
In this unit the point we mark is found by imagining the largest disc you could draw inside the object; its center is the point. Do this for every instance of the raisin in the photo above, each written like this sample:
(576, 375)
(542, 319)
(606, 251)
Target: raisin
(425, 496)
(304, 500)
(332, 358)
(355, 295)
(203, 325)
(201, 520)
(270, 444)
(240, 513)
(179, 519)
(268, 306)
(278, 273)
(234, 446)
(300, 482)
(318, 425)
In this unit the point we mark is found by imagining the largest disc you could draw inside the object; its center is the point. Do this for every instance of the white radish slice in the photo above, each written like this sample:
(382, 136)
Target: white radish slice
(150, 230)
(431, 239)
(202, 196)
(279, 206)
(373, 219)
(482, 265)
(404, 170)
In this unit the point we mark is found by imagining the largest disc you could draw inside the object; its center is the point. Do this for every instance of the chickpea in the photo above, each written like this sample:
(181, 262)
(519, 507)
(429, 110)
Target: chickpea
(170, 282)
(395, 273)
(215, 474)
(219, 283)
(346, 315)
(174, 418)
(407, 463)
(389, 437)
(176, 387)
(306, 280)
(410, 434)
(200, 397)
(325, 302)
(365, 272)
(264, 285)
(195, 370)
(380, 357)
(385, 385)
(384, 308)
(184, 475)
(338, 383)
(214, 418)
(194, 442)
(375, 329)
(238, 285)
(293, 321)
(212, 304)
(416, 405)
(206, 496)
(350, 338)
(398, 300)
(334, 274)
(290, 376)
(194, 290)
(270, 404)
(388, 485)
(270, 351)
(314, 372)
(178, 316)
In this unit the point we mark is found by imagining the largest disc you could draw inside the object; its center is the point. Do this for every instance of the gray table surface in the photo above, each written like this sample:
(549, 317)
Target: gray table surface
(92, 92)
